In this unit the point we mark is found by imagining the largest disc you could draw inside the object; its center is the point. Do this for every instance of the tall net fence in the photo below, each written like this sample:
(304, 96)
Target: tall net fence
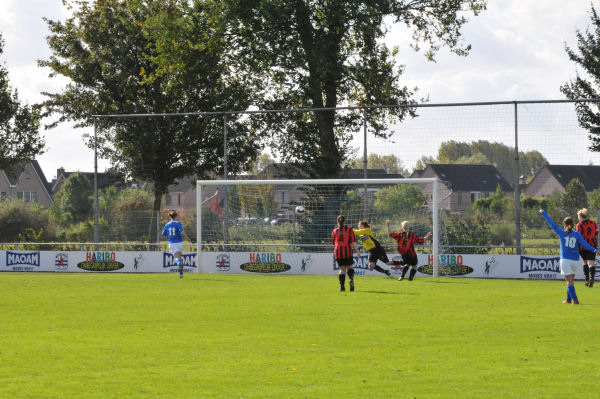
(518, 139)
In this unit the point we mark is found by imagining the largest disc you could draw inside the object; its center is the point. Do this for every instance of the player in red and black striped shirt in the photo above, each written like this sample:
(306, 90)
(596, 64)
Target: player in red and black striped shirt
(406, 247)
(589, 230)
(343, 241)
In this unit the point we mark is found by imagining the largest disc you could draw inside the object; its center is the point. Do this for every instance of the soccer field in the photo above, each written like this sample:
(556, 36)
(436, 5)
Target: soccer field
(280, 336)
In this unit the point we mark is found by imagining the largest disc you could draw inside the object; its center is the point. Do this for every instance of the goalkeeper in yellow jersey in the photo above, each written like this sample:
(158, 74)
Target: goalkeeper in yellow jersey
(376, 251)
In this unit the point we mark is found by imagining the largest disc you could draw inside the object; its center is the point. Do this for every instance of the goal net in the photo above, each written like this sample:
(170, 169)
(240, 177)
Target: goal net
(285, 226)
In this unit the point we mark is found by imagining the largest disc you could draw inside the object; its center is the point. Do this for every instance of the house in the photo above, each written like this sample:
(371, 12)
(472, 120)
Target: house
(463, 184)
(556, 177)
(27, 183)
(104, 179)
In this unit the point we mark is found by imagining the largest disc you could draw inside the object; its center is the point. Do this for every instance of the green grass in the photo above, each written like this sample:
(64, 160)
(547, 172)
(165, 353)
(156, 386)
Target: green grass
(277, 336)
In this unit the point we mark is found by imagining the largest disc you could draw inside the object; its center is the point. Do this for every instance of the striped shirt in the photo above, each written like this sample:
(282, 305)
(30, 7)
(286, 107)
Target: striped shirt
(589, 230)
(406, 242)
(342, 238)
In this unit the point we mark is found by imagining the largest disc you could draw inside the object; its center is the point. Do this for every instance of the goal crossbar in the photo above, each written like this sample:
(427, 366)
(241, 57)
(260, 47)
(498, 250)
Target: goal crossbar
(433, 181)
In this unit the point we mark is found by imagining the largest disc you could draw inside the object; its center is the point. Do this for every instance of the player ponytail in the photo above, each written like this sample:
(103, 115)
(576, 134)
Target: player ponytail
(172, 214)
(568, 223)
(583, 213)
(364, 223)
(341, 220)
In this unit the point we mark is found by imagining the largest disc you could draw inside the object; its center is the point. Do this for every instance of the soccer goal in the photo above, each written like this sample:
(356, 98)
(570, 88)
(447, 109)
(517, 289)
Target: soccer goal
(275, 226)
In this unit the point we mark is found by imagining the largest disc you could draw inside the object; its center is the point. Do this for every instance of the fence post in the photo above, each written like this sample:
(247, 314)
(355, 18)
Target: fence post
(226, 177)
(365, 163)
(517, 186)
(96, 229)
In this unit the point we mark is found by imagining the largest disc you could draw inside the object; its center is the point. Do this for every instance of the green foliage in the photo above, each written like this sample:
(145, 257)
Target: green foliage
(594, 200)
(389, 163)
(306, 54)
(467, 229)
(485, 152)
(73, 203)
(585, 83)
(24, 221)
(574, 198)
(398, 198)
(20, 138)
(139, 56)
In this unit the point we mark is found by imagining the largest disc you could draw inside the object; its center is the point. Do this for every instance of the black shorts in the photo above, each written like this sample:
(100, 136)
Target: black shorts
(587, 255)
(345, 262)
(378, 253)
(410, 260)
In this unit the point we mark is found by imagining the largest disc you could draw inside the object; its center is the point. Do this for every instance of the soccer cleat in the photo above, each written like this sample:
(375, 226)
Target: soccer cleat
(591, 283)
(400, 278)
(388, 273)
(587, 283)
(575, 302)
(342, 288)
(567, 301)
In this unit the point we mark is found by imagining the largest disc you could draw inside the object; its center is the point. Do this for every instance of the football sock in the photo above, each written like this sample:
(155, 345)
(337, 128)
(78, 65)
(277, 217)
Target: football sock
(586, 272)
(342, 278)
(404, 270)
(412, 274)
(592, 272)
(380, 270)
(350, 273)
(573, 294)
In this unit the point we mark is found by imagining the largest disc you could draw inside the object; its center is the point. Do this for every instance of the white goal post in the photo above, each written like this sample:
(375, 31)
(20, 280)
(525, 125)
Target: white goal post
(200, 184)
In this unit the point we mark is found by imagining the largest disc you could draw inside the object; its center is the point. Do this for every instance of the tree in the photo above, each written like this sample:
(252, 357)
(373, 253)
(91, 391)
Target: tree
(73, 203)
(497, 154)
(398, 198)
(594, 200)
(112, 52)
(315, 54)
(586, 57)
(574, 198)
(389, 163)
(20, 139)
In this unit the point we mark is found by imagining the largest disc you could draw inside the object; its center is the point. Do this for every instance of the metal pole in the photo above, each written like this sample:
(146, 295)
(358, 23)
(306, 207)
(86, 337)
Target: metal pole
(198, 228)
(226, 191)
(96, 227)
(517, 186)
(365, 163)
(436, 230)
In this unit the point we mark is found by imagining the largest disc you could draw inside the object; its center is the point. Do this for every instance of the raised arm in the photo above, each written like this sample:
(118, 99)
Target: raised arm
(554, 226)
(387, 224)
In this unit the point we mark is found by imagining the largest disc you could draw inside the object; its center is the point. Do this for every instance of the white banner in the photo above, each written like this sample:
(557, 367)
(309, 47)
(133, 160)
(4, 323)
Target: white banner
(482, 266)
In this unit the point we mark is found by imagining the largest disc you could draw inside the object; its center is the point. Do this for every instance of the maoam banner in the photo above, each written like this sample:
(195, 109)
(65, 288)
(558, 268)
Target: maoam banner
(455, 265)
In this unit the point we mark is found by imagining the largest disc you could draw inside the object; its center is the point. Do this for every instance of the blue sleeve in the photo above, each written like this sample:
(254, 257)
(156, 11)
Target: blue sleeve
(584, 243)
(554, 226)
(164, 232)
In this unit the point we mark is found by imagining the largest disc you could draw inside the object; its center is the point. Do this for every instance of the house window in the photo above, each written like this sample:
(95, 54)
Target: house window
(2, 195)
(19, 195)
(168, 199)
(178, 199)
(33, 196)
(27, 174)
(459, 199)
(475, 195)
(27, 196)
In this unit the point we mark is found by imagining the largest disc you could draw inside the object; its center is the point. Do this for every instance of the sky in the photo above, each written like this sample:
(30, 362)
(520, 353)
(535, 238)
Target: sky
(518, 53)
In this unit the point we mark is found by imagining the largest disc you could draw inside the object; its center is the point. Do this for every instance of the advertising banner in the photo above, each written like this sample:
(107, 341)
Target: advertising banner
(540, 267)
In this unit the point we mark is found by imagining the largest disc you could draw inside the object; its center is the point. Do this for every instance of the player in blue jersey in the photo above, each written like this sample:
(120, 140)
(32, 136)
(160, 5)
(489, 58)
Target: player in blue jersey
(570, 239)
(175, 234)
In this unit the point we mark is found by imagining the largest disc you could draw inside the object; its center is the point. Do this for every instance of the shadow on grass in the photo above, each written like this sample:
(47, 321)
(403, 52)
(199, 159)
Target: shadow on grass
(389, 292)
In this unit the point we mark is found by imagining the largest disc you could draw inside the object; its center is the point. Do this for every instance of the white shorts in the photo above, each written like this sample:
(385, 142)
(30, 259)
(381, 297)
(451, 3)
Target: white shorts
(568, 266)
(175, 247)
